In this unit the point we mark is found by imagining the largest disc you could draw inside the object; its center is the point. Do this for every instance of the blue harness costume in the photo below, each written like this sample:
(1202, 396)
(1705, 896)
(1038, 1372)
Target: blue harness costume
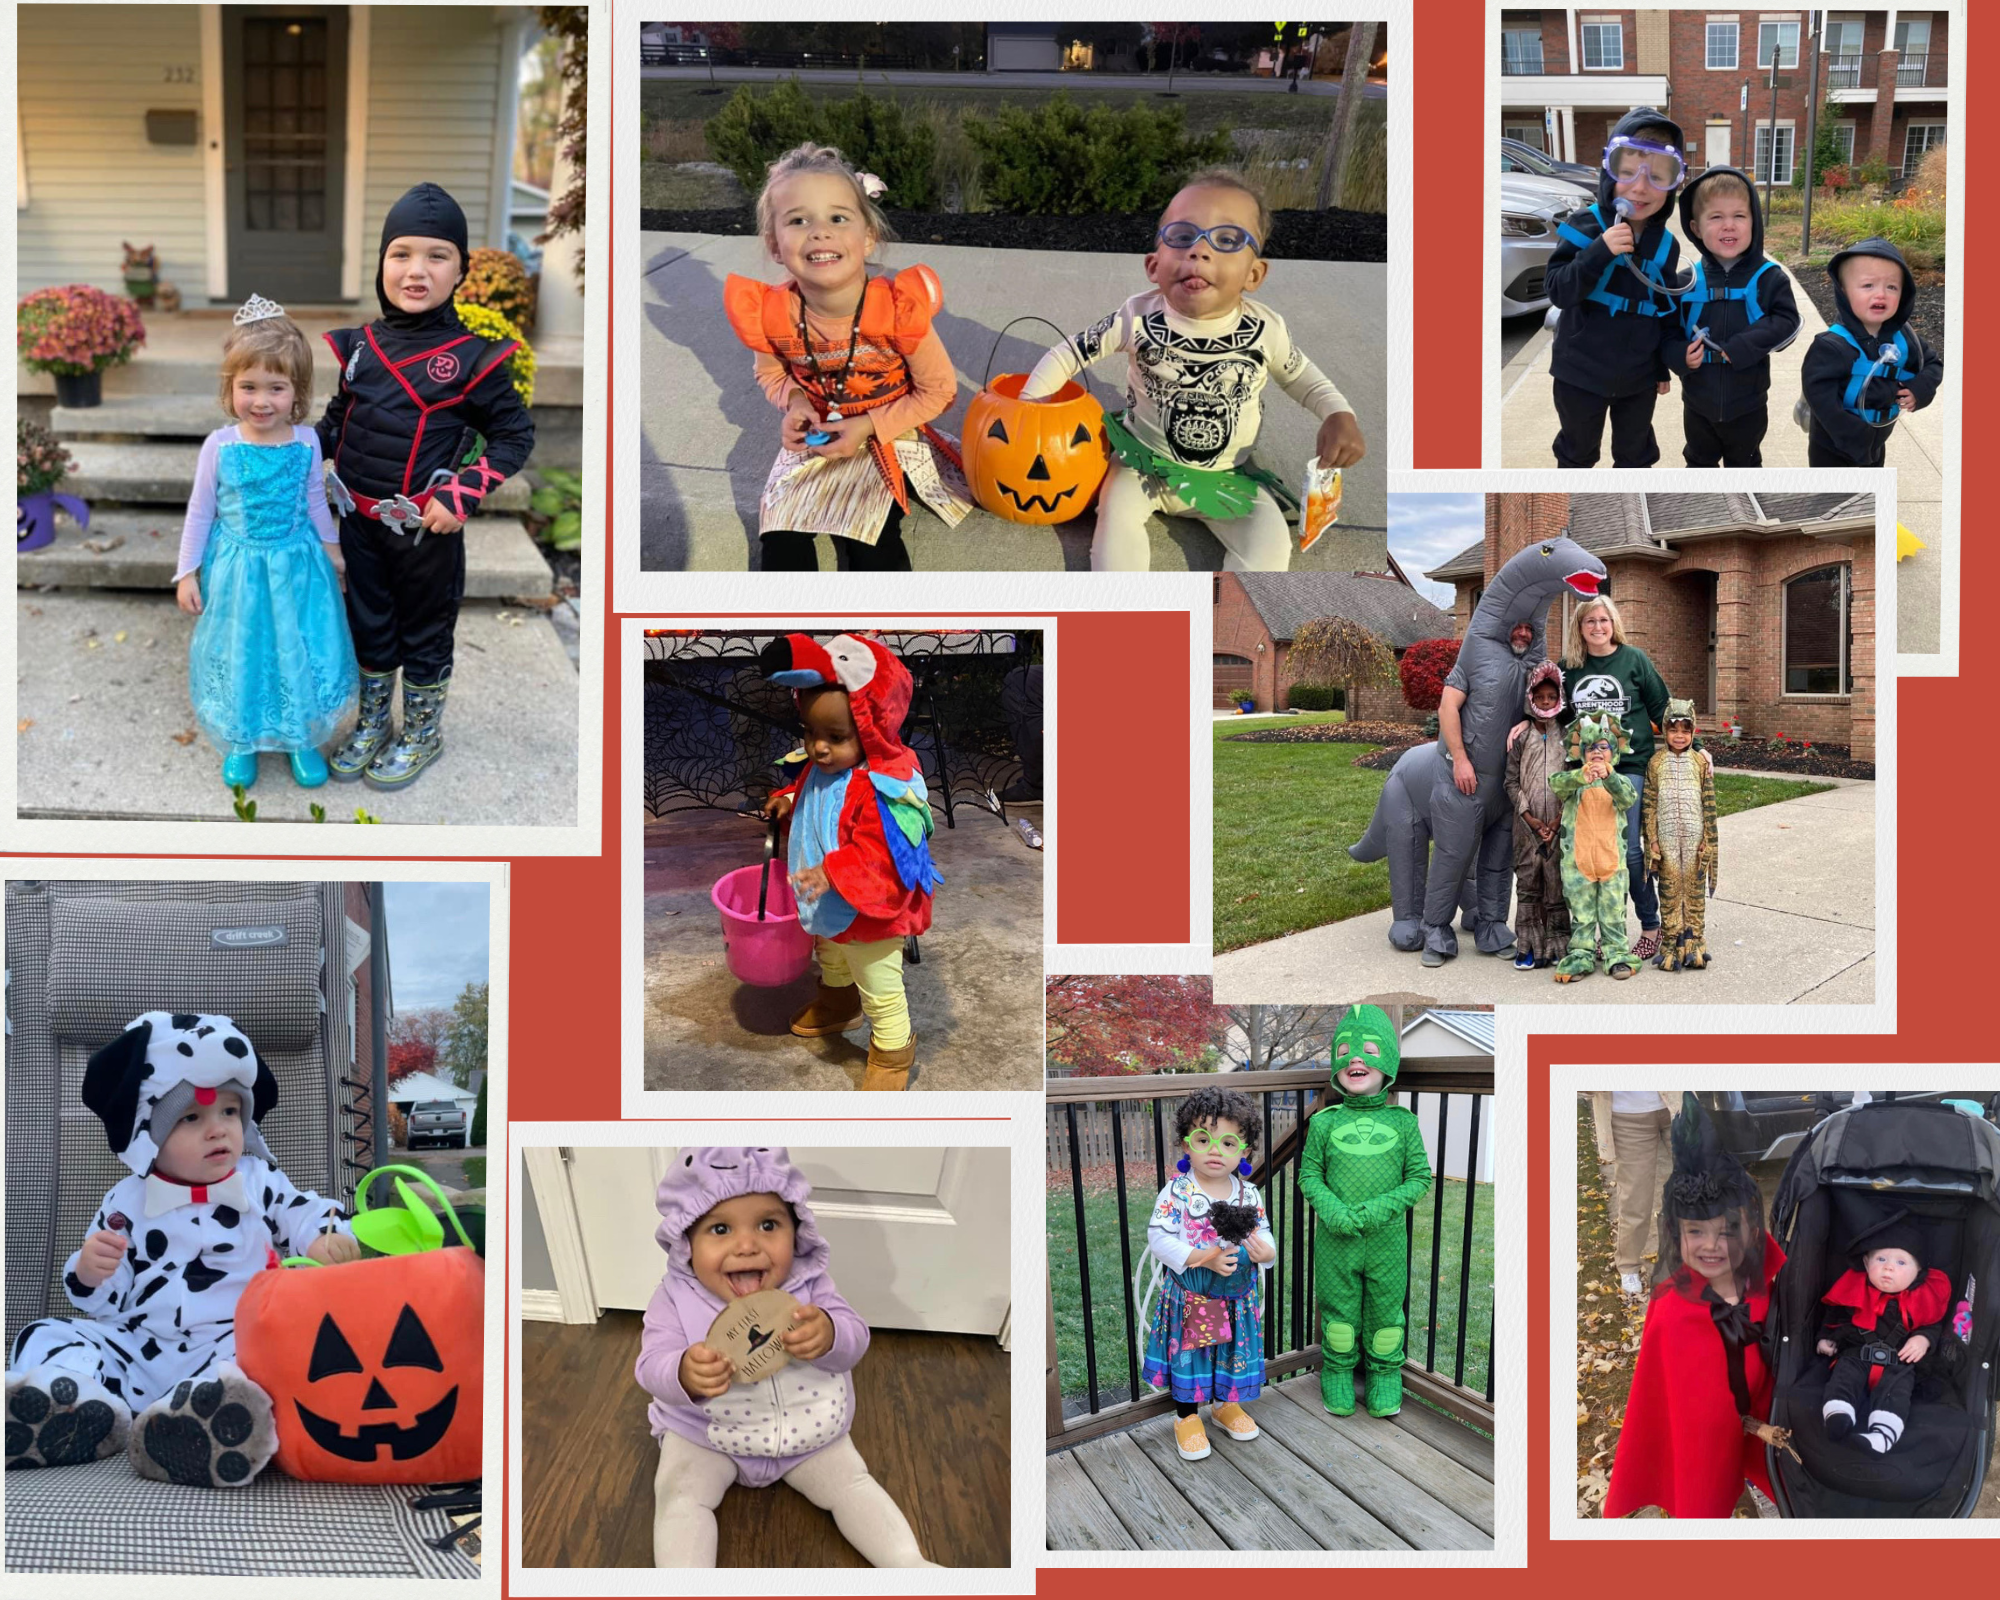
(1908, 363)
(1699, 295)
(1651, 271)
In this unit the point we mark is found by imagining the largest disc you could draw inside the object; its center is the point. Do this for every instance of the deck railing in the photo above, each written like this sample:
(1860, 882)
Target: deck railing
(1127, 1124)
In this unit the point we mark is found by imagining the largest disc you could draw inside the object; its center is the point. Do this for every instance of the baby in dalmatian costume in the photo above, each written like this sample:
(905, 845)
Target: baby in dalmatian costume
(171, 1251)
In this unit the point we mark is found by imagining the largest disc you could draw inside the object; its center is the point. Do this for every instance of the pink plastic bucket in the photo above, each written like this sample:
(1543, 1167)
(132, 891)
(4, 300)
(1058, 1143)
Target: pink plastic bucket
(771, 953)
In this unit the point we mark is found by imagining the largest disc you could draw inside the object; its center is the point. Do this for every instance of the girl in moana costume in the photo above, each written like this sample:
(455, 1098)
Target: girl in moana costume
(855, 366)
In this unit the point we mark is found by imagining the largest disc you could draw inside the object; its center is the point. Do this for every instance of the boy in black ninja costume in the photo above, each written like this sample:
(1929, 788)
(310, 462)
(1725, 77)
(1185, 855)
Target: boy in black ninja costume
(414, 387)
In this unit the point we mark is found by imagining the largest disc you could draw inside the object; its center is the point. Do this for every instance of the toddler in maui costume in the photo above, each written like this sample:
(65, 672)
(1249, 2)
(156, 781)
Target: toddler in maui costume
(414, 388)
(859, 851)
(1679, 834)
(1595, 799)
(734, 1222)
(1880, 1325)
(1364, 1167)
(855, 366)
(1199, 353)
(1541, 913)
(170, 1252)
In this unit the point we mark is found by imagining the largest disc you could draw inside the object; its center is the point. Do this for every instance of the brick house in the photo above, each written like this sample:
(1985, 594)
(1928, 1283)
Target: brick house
(1567, 76)
(1755, 606)
(1257, 614)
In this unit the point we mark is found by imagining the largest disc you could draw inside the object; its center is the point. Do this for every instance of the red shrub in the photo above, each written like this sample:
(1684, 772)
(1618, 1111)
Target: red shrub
(1423, 669)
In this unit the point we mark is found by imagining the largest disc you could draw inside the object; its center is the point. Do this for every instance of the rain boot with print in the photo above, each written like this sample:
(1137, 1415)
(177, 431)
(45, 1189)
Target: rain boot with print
(378, 690)
(420, 742)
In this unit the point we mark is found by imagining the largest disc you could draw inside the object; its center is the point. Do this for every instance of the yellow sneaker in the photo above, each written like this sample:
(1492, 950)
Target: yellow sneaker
(1233, 1420)
(1189, 1439)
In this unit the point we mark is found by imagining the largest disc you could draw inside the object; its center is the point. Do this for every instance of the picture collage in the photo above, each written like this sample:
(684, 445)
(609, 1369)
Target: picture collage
(1018, 835)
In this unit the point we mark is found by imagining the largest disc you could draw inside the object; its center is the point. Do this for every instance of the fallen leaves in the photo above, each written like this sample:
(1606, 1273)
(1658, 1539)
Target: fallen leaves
(25, 724)
(186, 736)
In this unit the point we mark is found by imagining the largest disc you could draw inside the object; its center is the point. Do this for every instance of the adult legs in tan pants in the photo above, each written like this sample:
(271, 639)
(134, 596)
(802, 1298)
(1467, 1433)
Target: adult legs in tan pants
(1641, 1161)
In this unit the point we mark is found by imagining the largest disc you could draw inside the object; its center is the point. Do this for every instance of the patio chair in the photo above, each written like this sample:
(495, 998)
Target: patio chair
(83, 959)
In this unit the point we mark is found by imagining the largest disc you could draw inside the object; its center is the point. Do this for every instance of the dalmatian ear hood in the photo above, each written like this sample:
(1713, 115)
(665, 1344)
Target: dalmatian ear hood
(1367, 1035)
(700, 1180)
(878, 688)
(165, 1062)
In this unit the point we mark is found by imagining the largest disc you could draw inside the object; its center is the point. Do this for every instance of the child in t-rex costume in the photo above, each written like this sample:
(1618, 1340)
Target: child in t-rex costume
(1677, 823)
(1595, 799)
(1364, 1167)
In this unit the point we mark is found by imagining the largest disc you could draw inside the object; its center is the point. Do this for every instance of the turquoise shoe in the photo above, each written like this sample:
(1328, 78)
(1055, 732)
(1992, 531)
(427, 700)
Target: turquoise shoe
(308, 768)
(239, 768)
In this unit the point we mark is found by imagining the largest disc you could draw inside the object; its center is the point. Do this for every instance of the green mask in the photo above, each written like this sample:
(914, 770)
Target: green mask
(1367, 1035)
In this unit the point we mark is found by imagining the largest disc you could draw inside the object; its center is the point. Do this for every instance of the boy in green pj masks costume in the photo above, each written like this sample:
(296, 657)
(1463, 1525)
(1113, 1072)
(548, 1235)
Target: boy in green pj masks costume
(1364, 1166)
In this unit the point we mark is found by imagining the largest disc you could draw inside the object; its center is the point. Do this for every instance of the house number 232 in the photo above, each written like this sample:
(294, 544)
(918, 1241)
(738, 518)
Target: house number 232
(177, 75)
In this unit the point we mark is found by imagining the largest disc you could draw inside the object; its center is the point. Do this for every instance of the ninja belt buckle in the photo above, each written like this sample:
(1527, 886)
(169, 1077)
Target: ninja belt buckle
(343, 501)
(401, 513)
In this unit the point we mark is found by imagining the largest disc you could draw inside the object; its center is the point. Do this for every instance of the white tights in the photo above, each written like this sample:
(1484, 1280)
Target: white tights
(693, 1479)
(1260, 541)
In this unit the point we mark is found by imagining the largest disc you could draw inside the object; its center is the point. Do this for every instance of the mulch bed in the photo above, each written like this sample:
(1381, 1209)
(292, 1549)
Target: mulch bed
(1790, 759)
(1927, 319)
(1399, 734)
(1330, 235)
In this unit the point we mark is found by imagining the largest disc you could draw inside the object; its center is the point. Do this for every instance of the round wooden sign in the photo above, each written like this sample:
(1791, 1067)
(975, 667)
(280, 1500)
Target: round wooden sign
(748, 1332)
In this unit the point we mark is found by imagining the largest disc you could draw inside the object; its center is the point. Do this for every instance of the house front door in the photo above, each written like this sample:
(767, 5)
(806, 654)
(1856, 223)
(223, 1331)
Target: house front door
(1717, 134)
(285, 149)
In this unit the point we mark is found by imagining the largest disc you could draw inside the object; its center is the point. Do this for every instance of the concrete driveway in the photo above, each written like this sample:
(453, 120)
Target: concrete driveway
(1528, 427)
(708, 435)
(1793, 924)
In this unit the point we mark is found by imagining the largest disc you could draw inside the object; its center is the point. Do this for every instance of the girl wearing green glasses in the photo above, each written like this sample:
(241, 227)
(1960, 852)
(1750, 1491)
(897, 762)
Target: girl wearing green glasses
(1206, 1341)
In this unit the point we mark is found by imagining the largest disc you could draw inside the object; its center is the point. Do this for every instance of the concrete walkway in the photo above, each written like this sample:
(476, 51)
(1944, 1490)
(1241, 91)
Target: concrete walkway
(106, 730)
(708, 435)
(1793, 924)
(1916, 450)
(975, 998)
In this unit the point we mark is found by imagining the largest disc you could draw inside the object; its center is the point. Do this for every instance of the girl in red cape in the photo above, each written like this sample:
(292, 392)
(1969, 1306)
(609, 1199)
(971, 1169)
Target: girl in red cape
(1696, 1423)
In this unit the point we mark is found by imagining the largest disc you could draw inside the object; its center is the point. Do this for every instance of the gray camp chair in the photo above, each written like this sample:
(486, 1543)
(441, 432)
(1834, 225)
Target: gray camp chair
(84, 959)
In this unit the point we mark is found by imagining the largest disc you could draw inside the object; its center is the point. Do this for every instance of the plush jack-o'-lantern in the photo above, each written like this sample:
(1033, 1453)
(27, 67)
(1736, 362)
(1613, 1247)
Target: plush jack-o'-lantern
(374, 1367)
(1034, 461)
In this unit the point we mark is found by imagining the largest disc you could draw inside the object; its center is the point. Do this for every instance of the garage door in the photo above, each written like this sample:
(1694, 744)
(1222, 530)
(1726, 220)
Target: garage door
(1232, 679)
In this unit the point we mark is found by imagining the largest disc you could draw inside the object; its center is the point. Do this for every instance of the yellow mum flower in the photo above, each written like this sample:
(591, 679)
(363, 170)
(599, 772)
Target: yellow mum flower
(490, 324)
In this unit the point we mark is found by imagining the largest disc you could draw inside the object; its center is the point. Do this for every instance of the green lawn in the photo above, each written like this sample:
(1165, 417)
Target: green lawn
(1109, 1286)
(1735, 792)
(475, 1172)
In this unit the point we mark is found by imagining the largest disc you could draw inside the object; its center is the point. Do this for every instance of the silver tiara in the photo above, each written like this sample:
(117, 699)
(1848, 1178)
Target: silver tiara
(258, 309)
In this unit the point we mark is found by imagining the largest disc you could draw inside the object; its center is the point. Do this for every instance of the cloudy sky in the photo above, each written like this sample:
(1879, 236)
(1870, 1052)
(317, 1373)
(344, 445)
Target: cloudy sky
(437, 941)
(1427, 530)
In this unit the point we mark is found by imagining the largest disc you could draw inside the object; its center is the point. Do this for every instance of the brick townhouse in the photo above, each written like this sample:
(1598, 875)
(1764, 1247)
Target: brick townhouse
(1567, 76)
(1257, 614)
(1755, 606)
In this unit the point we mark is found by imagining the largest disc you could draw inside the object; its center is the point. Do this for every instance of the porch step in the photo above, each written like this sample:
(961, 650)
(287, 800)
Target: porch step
(501, 561)
(125, 416)
(163, 475)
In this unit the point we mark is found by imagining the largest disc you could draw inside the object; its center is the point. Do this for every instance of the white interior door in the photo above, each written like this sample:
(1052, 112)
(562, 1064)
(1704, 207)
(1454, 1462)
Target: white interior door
(1718, 143)
(919, 1238)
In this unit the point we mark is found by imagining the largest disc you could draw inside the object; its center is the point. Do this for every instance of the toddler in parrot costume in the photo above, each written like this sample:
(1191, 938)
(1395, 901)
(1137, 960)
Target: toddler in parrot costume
(1364, 1167)
(1595, 797)
(859, 852)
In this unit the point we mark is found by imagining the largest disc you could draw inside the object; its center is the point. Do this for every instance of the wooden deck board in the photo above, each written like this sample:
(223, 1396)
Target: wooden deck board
(1150, 1504)
(1442, 1478)
(1467, 1448)
(1230, 1503)
(1078, 1516)
(1316, 1505)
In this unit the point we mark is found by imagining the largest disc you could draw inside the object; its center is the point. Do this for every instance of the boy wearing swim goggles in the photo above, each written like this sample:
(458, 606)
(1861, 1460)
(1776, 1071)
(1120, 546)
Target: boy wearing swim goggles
(1607, 361)
(1199, 352)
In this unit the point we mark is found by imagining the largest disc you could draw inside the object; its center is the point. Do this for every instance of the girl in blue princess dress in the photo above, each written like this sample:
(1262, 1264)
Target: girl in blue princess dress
(272, 665)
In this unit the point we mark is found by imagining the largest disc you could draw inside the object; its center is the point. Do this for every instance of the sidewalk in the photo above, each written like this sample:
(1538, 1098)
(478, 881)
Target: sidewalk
(1916, 451)
(708, 435)
(1794, 924)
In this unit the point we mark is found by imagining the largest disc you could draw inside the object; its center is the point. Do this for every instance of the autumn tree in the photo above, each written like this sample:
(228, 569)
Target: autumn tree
(1174, 35)
(715, 35)
(464, 1047)
(1110, 1026)
(1340, 650)
(425, 1025)
(1275, 1038)
(410, 1056)
(1423, 669)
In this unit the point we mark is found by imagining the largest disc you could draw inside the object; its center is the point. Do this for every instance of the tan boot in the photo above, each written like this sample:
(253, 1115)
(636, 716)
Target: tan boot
(831, 1011)
(890, 1069)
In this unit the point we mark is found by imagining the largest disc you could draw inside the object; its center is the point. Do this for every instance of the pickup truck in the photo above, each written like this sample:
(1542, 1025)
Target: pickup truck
(439, 1122)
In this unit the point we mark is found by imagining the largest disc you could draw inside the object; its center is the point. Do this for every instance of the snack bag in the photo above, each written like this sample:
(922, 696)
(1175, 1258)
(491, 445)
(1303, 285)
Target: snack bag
(1322, 503)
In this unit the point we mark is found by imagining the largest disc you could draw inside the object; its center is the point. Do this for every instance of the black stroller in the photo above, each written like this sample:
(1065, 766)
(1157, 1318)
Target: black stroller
(1854, 1171)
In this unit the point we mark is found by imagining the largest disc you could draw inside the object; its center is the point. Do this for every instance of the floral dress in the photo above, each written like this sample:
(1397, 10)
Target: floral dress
(1233, 1369)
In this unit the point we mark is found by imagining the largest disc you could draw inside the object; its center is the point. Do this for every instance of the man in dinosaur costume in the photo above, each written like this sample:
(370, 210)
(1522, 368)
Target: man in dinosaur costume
(1364, 1167)
(1595, 796)
(1677, 825)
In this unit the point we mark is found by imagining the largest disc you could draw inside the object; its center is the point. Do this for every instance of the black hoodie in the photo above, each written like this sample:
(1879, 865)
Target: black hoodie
(1724, 390)
(1614, 355)
(1829, 366)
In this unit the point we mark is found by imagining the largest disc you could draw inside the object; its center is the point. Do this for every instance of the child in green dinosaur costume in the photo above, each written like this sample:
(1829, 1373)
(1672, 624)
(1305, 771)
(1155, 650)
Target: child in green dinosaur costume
(1596, 798)
(1677, 823)
(1364, 1166)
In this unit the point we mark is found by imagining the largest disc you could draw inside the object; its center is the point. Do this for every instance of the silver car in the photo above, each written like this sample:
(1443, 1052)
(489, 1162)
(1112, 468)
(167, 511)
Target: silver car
(1530, 208)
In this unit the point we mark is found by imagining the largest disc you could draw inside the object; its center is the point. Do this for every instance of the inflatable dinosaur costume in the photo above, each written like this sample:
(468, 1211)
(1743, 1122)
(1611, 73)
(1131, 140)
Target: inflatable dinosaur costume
(1364, 1166)
(1593, 851)
(1677, 823)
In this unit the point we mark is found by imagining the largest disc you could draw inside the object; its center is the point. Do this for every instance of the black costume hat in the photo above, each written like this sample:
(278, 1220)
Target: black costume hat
(1708, 1183)
(1898, 1231)
(425, 212)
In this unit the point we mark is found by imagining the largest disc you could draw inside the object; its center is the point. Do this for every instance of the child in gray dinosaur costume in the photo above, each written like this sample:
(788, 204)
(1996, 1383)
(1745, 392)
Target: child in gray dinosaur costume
(1444, 809)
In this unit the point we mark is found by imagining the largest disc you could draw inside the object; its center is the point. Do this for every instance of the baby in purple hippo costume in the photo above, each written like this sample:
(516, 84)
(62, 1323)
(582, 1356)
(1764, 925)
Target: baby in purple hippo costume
(734, 1222)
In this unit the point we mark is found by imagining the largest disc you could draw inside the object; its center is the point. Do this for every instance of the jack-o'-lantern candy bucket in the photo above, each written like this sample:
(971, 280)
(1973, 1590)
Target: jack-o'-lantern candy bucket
(1037, 462)
(375, 1368)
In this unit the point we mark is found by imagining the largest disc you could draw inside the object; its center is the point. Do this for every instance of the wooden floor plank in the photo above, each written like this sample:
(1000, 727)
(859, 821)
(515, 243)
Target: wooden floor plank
(1315, 1504)
(1440, 1477)
(1423, 1521)
(1079, 1518)
(1151, 1505)
(1230, 1503)
(1467, 1448)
